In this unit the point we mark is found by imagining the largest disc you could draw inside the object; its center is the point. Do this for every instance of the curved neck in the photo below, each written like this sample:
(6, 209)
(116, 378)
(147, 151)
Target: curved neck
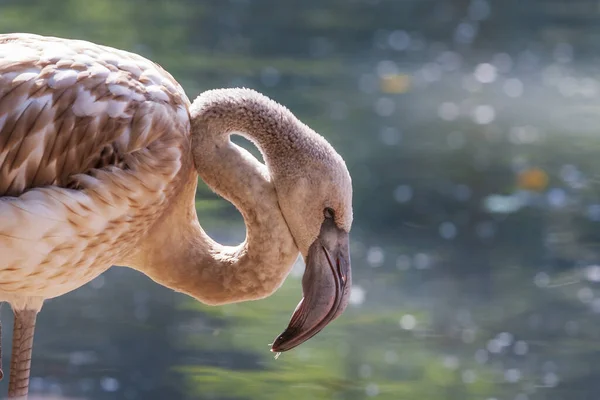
(190, 261)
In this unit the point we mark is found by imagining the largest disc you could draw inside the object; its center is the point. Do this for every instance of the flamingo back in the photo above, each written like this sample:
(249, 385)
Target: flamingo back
(93, 142)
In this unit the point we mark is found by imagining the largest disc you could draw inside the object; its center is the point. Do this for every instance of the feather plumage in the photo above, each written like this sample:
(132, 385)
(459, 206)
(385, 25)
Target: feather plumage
(96, 168)
(91, 141)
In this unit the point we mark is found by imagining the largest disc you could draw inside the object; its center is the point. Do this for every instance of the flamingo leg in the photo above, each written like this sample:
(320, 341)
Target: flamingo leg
(22, 346)
(1, 370)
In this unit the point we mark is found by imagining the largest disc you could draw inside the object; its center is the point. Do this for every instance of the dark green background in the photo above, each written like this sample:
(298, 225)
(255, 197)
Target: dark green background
(477, 214)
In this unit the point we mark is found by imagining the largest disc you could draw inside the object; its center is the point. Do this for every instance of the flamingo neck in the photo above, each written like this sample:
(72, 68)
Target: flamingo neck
(185, 258)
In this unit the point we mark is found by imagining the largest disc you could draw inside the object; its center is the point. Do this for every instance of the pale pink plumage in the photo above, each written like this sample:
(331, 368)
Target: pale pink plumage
(91, 141)
(100, 153)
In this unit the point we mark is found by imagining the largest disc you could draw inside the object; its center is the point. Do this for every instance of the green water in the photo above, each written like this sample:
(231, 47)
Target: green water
(470, 130)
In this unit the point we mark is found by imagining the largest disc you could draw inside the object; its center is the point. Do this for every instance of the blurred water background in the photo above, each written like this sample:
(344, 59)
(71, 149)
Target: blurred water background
(470, 128)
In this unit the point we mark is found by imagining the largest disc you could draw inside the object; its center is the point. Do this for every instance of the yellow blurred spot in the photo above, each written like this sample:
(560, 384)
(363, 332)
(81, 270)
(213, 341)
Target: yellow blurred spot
(397, 83)
(533, 179)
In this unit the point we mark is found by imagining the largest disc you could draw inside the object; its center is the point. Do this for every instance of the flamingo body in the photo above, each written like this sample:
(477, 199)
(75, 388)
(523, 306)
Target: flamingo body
(100, 154)
(93, 145)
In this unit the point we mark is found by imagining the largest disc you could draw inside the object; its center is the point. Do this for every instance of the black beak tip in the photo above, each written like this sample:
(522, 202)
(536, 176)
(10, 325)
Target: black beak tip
(278, 348)
(280, 343)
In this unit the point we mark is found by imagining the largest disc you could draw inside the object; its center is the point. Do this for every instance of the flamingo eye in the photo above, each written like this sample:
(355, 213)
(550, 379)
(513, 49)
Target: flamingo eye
(328, 213)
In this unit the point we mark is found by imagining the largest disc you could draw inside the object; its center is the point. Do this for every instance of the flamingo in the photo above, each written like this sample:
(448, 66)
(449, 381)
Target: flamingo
(100, 154)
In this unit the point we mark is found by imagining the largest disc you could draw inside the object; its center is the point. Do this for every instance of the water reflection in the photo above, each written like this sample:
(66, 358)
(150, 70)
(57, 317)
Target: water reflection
(470, 129)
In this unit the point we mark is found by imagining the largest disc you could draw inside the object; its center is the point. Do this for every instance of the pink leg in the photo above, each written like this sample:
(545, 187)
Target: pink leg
(1, 370)
(22, 346)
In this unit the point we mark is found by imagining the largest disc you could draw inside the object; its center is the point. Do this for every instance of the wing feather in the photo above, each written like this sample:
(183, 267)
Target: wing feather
(91, 141)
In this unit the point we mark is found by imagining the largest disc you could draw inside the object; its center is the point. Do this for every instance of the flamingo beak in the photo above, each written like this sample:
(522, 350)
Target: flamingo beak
(325, 286)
